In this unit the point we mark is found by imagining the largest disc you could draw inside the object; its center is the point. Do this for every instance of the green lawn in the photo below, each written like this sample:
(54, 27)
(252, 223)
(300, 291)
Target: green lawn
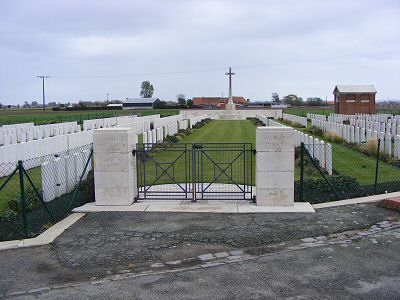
(179, 157)
(224, 132)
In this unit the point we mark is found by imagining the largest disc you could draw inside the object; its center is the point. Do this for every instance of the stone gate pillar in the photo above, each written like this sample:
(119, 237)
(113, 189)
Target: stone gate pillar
(114, 166)
(275, 166)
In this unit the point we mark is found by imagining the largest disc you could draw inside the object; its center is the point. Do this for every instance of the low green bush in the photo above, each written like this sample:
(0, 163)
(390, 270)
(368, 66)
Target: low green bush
(333, 137)
(318, 191)
(256, 122)
(314, 131)
(185, 132)
(31, 201)
(171, 139)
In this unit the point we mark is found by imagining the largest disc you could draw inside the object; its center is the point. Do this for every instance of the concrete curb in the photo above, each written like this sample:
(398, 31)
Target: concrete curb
(46, 237)
(360, 200)
(174, 206)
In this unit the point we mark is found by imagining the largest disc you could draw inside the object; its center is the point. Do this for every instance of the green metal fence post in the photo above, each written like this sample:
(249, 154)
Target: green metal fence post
(301, 172)
(80, 180)
(23, 200)
(377, 166)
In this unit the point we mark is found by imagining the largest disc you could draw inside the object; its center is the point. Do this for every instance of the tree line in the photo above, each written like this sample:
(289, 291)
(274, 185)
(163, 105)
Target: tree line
(294, 100)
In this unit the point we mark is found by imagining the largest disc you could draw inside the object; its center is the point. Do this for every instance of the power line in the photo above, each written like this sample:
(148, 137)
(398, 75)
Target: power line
(204, 70)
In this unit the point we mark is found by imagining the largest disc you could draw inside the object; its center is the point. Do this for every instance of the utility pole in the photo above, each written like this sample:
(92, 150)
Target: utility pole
(107, 96)
(43, 77)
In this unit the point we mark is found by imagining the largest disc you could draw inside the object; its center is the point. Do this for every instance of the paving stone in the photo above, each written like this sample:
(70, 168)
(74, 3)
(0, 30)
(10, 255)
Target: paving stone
(221, 254)
(234, 257)
(157, 265)
(308, 240)
(236, 252)
(174, 262)
(205, 257)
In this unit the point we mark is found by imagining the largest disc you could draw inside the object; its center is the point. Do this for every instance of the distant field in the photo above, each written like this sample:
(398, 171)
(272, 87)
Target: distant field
(37, 116)
(300, 111)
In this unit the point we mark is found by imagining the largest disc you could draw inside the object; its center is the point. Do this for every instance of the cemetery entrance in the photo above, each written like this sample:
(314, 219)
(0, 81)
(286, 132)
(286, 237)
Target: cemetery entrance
(200, 171)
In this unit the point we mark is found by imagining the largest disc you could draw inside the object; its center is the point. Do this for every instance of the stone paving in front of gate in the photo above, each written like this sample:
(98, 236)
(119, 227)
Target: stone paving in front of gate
(201, 206)
(116, 243)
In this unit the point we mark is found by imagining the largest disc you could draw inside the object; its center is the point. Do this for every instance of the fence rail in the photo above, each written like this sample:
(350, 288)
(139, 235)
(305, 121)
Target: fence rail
(36, 193)
(353, 174)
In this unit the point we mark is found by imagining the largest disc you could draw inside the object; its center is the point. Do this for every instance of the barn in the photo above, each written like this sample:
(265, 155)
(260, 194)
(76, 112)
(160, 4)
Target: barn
(138, 103)
(354, 99)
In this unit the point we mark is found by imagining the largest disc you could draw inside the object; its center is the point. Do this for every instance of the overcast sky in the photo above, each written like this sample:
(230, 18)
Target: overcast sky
(94, 47)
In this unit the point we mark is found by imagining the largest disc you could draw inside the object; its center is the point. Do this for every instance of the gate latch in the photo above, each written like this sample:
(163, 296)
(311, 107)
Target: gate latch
(254, 151)
(134, 152)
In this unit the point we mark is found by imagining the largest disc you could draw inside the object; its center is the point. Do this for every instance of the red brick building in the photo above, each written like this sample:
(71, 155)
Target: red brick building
(217, 101)
(352, 99)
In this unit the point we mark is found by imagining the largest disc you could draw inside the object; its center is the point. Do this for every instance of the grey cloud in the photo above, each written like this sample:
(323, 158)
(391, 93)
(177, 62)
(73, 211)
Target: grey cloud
(288, 46)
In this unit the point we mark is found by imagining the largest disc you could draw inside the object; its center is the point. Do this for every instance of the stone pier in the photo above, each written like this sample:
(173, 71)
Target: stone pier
(114, 166)
(275, 166)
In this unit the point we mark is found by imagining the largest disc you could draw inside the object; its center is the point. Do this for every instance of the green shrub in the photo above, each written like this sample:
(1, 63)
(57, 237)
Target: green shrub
(256, 122)
(185, 132)
(333, 137)
(88, 186)
(315, 131)
(318, 191)
(31, 201)
(171, 139)
(290, 123)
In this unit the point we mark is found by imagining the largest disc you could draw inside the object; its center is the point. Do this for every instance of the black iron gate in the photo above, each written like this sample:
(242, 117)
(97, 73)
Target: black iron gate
(199, 171)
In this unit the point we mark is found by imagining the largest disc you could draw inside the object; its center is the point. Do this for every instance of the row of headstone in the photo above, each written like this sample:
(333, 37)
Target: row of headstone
(293, 118)
(12, 134)
(184, 124)
(138, 126)
(38, 148)
(194, 120)
(318, 149)
(360, 120)
(99, 123)
(390, 144)
(262, 118)
(153, 136)
(19, 125)
(311, 116)
(162, 122)
(62, 174)
(171, 129)
(122, 121)
(374, 118)
(271, 122)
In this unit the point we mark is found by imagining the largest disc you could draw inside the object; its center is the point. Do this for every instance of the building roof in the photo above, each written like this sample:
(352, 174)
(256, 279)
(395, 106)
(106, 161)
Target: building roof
(114, 105)
(217, 100)
(354, 89)
(140, 100)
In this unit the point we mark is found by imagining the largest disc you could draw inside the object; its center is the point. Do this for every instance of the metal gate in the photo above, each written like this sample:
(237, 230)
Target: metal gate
(199, 171)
